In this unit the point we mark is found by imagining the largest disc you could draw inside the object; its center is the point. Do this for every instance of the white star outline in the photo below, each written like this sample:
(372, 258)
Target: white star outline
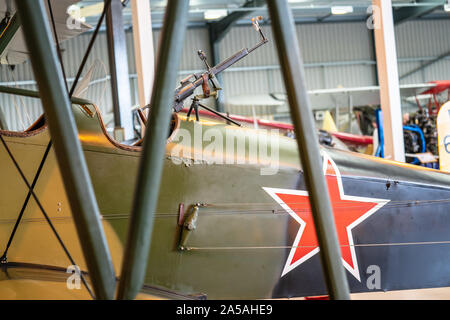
(273, 193)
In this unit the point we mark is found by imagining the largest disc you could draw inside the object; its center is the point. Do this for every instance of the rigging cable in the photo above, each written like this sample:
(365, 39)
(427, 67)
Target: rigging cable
(19, 218)
(58, 47)
(305, 246)
(44, 213)
(89, 48)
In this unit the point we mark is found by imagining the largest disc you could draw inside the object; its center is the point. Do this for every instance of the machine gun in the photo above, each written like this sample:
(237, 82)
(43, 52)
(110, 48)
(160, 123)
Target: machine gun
(190, 83)
(193, 81)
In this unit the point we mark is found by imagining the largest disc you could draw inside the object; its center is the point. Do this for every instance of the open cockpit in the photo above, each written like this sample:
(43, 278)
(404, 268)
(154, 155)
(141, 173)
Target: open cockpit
(88, 118)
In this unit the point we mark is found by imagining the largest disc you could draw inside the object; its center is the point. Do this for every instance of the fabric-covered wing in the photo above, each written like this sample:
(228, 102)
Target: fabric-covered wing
(16, 52)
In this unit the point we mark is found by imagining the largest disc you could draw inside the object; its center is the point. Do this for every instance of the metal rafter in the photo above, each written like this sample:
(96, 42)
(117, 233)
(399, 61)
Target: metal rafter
(406, 13)
(219, 29)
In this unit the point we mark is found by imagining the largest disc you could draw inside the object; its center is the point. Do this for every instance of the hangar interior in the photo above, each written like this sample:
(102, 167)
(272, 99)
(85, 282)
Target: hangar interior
(341, 108)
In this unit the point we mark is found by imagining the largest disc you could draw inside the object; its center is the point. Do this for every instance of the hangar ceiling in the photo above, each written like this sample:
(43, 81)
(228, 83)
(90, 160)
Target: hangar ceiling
(305, 11)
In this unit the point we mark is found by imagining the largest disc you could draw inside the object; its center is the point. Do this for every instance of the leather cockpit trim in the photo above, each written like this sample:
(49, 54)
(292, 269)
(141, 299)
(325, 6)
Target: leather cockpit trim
(39, 126)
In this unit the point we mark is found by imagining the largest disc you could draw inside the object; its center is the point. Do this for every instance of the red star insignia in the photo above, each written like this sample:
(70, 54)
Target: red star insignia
(348, 211)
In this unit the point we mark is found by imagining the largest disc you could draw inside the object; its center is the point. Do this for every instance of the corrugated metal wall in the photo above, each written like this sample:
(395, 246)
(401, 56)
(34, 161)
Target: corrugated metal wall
(419, 42)
(335, 55)
(100, 91)
(344, 42)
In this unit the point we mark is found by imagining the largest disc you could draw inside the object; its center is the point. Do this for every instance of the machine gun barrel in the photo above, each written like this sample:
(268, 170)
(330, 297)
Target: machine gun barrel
(230, 61)
(184, 91)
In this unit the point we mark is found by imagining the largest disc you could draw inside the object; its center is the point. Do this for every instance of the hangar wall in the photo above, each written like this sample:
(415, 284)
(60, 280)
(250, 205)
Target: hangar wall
(419, 42)
(335, 54)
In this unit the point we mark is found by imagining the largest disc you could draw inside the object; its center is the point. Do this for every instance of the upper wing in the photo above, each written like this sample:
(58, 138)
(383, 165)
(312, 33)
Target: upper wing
(16, 51)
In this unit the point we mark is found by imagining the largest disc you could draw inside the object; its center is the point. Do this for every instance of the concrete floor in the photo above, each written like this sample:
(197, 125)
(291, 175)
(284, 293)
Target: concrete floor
(422, 294)
(417, 294)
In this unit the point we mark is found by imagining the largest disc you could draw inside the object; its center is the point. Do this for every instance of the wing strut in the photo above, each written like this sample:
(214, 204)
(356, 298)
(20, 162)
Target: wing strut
(294, 79)
(151, 165)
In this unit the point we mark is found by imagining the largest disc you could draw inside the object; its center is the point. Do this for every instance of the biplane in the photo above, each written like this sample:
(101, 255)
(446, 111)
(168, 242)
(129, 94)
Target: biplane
(230, 223)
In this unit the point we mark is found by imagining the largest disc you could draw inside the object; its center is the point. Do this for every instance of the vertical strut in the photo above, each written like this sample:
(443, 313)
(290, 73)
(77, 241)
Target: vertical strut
(294, 79)
(151, 165)
(118, 66)
(67, 146)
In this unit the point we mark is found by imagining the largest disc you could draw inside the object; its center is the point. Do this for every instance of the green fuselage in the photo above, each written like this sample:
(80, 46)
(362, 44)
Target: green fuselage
(237, 249)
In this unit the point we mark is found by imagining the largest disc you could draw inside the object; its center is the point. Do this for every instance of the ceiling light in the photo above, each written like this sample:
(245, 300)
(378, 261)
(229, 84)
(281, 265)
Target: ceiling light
(215, 14)
(341, 9)
(447, 7)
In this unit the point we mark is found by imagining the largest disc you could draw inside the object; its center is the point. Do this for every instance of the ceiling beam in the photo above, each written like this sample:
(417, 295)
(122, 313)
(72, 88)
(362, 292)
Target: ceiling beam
(219, 29)
(406, 13)
(321, 19)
